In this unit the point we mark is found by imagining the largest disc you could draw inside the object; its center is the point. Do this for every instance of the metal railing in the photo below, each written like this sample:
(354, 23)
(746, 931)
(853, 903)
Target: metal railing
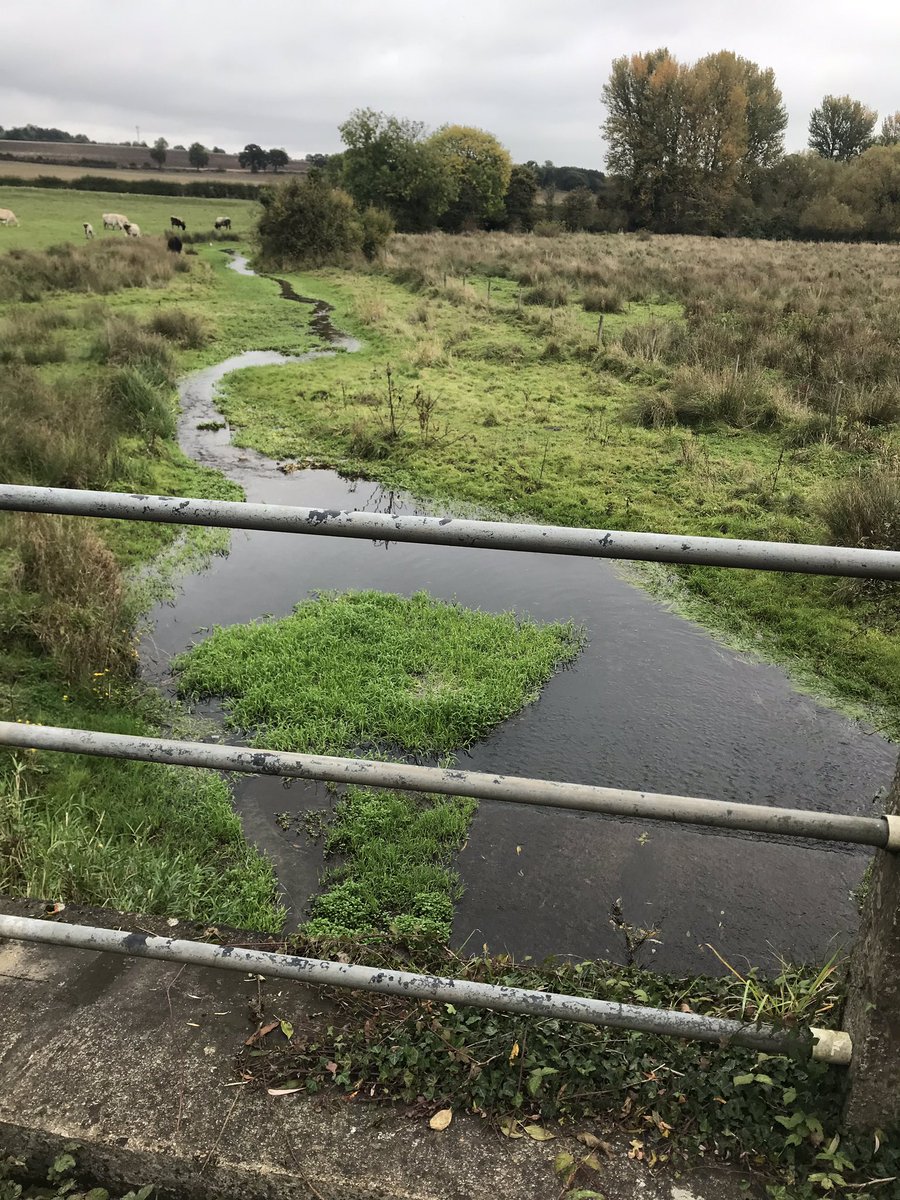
(883, 832)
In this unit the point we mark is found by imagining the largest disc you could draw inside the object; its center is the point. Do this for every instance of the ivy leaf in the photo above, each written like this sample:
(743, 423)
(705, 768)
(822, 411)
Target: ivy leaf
(287, 1029)
(509, 1127)
(742, 1080)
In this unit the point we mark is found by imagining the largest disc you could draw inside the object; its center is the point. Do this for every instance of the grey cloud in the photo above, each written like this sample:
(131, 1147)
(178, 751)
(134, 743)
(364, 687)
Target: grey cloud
(285, 73)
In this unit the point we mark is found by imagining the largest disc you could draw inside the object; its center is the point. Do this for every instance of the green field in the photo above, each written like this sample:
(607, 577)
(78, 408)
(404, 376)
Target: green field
(48, 217)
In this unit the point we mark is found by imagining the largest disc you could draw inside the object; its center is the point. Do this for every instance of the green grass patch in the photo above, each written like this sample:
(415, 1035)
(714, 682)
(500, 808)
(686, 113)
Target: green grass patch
(369, 672)
(394, 878)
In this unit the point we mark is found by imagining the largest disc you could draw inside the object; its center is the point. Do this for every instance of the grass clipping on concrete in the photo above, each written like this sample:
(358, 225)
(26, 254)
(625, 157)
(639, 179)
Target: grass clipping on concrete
(369, 672)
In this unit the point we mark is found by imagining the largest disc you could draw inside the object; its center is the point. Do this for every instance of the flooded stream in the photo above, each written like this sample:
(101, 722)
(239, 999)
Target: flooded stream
(654, 702)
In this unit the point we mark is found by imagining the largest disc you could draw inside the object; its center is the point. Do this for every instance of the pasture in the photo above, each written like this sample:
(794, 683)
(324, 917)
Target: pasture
(48, 217)
(22, 169)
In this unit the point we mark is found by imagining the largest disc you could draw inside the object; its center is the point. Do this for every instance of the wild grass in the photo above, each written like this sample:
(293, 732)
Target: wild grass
(394, 878)
(189, 330)
(372, 672)
(864, 510)
(100, 267)
(137, 837)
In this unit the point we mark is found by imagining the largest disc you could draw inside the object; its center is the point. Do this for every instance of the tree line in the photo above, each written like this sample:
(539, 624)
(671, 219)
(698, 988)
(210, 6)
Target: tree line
(699, 148)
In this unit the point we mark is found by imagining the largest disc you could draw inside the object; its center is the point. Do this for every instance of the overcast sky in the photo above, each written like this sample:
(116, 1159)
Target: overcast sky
(286, 72)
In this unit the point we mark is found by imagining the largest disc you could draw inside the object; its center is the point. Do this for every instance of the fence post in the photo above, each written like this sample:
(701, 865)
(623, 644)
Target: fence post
(872, 1015)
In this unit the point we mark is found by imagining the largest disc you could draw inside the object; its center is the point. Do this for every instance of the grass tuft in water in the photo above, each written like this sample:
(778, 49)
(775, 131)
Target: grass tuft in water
(365, 671)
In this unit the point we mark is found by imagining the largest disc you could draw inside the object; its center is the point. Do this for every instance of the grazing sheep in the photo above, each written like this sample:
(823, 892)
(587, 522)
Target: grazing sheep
(174, 244)
(8, 217)
(223, 222)
(132, 230)
(114, 221)
(177, 223)
(88, 230)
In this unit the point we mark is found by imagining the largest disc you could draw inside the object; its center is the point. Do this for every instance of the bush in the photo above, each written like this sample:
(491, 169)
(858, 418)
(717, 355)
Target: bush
(306, 222)
(653, 410)
(744, 399)
(864, 510)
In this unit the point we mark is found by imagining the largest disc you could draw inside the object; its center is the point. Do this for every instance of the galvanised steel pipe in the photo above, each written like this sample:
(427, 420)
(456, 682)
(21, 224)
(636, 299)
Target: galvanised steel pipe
(720, 814)
(487, 535)
(826, 1044)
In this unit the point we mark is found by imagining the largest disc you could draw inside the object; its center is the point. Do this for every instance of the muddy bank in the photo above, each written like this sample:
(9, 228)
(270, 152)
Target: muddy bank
(654, 702)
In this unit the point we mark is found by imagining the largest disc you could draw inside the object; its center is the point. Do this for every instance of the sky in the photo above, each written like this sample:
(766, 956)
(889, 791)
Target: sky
(287, 72)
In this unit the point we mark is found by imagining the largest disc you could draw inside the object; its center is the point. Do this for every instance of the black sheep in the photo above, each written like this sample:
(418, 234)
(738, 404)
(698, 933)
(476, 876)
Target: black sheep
(174, 244)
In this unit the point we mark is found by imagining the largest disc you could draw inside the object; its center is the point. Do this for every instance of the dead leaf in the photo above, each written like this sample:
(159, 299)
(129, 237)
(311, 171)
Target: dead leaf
(287, 1090)
(514, 1053)
(509, 1127)
(588, 1139)
(518, 849)
(287, 1029)
(171, 922)
(441, 1119)
(52, 909)
(261, 1033)
(538, 1133)
(591, 1160)
(331, 1067)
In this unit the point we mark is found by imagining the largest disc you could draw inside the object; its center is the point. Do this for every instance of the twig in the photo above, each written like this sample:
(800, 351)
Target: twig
(215, 1146)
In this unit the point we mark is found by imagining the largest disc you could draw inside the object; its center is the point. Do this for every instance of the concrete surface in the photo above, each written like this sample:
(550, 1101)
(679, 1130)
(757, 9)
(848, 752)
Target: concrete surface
(138, 1062)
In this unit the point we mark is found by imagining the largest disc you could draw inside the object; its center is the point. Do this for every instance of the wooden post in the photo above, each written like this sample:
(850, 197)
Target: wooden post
(600, 332)
(872, 1013)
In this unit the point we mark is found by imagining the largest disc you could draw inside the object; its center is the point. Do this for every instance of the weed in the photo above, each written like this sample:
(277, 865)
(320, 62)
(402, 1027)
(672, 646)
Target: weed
(185, 329)
(864, 510)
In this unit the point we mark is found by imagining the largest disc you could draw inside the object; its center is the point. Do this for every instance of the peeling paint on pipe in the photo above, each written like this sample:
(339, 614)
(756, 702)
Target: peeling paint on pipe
(489, 535)
(650, 806)
(321, 972)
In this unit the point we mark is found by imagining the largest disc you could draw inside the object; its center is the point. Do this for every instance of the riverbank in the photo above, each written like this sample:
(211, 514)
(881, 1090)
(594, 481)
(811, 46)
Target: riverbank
(481, 384)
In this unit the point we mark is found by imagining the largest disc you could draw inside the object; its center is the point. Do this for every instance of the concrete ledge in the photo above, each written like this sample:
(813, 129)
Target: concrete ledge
(137, 1061)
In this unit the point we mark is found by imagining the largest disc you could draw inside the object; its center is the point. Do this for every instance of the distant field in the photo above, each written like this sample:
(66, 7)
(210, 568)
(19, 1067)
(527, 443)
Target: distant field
(47, 216)
(31, 170)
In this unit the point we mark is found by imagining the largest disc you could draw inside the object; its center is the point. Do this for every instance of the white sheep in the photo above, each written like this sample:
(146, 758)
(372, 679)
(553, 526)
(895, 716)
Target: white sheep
(114, 221)
(8, 217)
(132, 230)
(88, 229)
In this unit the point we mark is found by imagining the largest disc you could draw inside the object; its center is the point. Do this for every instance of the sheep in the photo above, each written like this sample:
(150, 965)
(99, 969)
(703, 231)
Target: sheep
(223, 222)
(132, 230)
(88, 230)
(177, 223)
(174, 244)
(114, 221)
(8, 217)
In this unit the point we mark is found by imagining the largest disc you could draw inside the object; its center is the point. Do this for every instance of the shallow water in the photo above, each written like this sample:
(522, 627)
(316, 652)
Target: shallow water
(654, 702)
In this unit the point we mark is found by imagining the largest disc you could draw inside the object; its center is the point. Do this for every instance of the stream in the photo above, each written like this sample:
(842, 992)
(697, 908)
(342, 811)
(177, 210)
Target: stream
(653, 702)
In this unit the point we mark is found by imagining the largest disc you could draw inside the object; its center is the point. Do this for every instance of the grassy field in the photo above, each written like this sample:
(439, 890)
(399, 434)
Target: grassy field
(741, 389)
(91, 340)
(48, 217)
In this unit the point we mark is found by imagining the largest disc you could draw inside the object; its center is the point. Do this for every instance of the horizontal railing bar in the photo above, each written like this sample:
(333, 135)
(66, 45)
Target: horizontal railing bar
(486, 535)
(825, 1044)
(719, 814)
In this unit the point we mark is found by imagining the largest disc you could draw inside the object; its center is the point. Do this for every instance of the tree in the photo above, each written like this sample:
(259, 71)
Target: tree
(841, 128)
(890, 130)
(870, 186)
(389, 163)
(254, 157)
(198, 155)
(306, 222)
(520, 197)
(217, 150)
(158, 151)
(278, 158)
(579, 209)
(690, 141)
(480, 169)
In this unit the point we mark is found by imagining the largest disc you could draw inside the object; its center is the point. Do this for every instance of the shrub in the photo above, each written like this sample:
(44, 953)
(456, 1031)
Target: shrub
(377, 227)
(744, 399)
(864, 510)
(653, 410)
(306, 222)
(654, 340)
(549, 229)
